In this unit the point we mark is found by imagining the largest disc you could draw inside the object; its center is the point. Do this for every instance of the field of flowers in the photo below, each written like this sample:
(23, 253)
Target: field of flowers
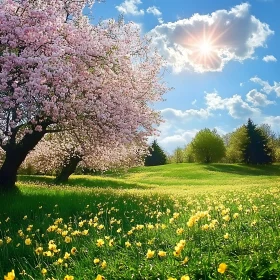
(79, 232)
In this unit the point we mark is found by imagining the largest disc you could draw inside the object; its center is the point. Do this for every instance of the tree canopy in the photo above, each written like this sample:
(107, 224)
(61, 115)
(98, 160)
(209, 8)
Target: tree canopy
(60, 73)
(256, 149)
(208, 146)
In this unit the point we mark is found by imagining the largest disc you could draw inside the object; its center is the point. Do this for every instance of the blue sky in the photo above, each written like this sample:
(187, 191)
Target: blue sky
(223, 61)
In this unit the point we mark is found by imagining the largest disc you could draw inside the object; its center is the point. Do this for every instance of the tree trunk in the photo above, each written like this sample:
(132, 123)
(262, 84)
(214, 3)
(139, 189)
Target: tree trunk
(15, 155)
(68, 168)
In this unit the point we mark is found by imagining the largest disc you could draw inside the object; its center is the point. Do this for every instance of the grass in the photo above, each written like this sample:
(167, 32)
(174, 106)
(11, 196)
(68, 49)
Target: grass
(213, 221)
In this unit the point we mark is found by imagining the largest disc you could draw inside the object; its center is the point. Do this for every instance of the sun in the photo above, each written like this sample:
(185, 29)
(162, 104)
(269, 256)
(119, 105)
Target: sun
(205, 48)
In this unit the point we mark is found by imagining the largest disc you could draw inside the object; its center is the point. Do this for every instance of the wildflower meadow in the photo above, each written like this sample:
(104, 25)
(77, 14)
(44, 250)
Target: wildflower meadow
(125, 230)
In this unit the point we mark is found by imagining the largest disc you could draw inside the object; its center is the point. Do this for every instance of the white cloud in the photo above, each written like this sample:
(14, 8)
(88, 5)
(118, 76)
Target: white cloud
(273, 121)
(266, 87)
(160, 20)
(194, 101)
(231, 35)
(269, 58)
(258, 99)
(154, 10)
(170, 143)
(130, 7)
(174, 115)
(235, 105)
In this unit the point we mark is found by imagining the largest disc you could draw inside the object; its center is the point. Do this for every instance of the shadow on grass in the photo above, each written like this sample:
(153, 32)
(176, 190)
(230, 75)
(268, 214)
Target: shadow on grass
(84, 181)
(243, 169)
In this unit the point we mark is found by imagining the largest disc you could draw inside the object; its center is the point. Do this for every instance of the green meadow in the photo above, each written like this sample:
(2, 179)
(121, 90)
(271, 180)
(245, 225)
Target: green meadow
(177, 221)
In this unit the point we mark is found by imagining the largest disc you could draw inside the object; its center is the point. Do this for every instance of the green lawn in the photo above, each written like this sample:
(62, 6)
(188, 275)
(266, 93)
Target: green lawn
(215, 221)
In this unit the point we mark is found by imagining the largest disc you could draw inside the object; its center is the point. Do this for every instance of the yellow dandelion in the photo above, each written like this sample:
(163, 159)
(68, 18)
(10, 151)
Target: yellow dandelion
(99, 277)
(138, 244)
(185, 277)
(10, 276)
(69, 277)
(222, 268)
(185, 261)
(66, 256)
(8, 239)
(44, 271)
(100, 242)
(27, 241)
(127, 244)
(59, 261)
(235, 215)
(103, 264)
(171, 278)
(179, 231)
(39, 250)
(226, 236)
(111, 243)
(161, 254)
(73, 251)
(96, 261)
(68, 239)
(150, 254)
(226, 218)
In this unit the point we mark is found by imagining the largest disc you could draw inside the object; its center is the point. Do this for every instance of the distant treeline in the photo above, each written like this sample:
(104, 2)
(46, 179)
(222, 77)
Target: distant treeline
(250, 144)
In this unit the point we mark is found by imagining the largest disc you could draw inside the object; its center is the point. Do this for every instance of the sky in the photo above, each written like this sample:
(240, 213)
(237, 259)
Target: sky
(222, 57)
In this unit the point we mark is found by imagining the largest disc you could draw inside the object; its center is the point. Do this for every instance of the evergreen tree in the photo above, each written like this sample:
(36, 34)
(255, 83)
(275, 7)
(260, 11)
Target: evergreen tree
(157, 155)
(256, 149)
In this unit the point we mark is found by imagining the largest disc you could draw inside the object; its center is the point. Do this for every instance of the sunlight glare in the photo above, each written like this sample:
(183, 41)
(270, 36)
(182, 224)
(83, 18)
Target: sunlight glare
(205, 48)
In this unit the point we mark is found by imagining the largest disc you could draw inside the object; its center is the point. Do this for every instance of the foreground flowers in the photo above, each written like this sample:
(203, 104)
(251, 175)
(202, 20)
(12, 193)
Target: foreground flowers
(10, 276)
(222, 268)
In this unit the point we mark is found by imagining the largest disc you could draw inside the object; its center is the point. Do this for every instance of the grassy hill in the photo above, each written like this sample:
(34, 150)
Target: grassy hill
(178, 221)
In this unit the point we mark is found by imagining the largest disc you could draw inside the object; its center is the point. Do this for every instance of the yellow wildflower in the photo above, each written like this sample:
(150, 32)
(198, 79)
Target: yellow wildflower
(185, 260)
(179, 231)
(103, 264)
(73, 251)
(44, 271)
(100, 242)
(69, 277)
(161, 254)
(68, 239)
(66, 256)
(185, 277)
(10, 276)
(39, 250)
(27, 241)
(226, 236)
(222, 268)
(235, 215)
(127, 244)
(8, 239)
(96, 261)
(99, 277)
(150, 254)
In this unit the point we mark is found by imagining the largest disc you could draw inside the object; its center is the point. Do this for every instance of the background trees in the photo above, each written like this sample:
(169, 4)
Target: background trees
(236, 143)
(157, 155)
(208, 146)
(256, 149)
(60, 73)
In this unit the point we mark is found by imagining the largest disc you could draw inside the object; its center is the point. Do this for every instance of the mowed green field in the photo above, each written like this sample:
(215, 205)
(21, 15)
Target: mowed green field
(178, 221)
